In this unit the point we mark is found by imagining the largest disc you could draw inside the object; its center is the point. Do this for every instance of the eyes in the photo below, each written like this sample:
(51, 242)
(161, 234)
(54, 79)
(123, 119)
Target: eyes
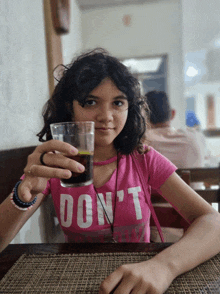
(119, 104)
(90, 102)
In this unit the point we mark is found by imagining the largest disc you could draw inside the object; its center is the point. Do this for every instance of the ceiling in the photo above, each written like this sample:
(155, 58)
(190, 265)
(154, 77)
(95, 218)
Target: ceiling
(93, 4)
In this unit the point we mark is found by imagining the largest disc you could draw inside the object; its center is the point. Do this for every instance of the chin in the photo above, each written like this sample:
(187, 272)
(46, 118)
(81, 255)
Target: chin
(103, 142)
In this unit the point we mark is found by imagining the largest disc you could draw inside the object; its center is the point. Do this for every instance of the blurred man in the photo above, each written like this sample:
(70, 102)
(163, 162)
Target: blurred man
(184, 147)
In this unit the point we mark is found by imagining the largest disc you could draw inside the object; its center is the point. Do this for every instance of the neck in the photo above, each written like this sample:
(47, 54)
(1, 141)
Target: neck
(104, 153)
(161, 125)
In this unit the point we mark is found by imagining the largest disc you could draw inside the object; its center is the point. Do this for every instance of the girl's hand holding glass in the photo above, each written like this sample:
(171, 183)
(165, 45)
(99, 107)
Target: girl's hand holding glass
(57, 164)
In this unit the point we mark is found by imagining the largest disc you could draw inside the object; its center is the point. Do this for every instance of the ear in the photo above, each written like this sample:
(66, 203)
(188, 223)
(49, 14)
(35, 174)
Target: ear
(173, 114)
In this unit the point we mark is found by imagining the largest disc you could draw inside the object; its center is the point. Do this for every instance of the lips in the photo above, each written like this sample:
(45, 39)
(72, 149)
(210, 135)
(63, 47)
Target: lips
(104, 129)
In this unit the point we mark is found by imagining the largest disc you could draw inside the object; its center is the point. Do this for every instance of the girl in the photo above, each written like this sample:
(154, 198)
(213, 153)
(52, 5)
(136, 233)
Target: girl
(116, 207)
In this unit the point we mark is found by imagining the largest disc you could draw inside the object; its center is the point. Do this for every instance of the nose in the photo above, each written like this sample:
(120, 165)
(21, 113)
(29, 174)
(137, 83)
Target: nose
(105, 114)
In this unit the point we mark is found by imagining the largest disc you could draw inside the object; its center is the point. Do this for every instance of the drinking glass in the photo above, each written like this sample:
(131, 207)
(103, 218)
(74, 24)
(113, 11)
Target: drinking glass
(81, 136)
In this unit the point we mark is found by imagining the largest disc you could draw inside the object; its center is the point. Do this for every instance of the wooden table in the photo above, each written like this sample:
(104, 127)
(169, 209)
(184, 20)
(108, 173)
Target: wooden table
(11, 254)
(80, 268)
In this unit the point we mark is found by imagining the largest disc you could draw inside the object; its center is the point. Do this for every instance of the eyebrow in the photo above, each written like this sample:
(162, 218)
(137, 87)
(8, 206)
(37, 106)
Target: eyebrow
(115, 98)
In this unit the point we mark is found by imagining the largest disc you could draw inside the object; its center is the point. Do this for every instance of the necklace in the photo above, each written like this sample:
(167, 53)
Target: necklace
(106, 214)
(106, 161)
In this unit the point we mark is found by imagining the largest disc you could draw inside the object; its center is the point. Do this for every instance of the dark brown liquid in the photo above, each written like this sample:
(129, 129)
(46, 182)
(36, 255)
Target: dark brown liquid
(77, 178)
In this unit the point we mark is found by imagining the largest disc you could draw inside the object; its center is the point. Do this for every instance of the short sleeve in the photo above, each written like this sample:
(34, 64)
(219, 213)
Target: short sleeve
(159, 168)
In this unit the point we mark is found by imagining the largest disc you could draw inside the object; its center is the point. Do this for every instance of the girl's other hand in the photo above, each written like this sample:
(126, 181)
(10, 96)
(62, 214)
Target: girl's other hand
(59, 163)
(148, 277)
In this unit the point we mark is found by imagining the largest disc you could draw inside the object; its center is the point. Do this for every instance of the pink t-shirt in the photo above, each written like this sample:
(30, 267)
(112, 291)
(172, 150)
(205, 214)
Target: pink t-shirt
(81, 215)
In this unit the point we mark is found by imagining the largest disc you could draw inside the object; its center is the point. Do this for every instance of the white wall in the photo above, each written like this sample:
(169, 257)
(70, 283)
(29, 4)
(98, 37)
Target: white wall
(154, 29)
(201, 24)
(72, 42)
(23, 67)
(24, 84)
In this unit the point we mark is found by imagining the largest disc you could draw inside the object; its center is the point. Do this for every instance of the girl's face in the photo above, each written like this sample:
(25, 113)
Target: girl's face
(107, 106)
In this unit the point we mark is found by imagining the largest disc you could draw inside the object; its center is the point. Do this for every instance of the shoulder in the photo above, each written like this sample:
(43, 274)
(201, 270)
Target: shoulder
(152, 157)
(146, 149)
(194, 136)
(155, 167)
(141, 153)
(189, 131)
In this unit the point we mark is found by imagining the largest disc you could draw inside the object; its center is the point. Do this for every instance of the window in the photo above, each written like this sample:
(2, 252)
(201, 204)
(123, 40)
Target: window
(150, 71)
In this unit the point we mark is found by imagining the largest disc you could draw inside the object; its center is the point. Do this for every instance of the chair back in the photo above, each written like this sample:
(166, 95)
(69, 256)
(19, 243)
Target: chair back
(12, 163)
(210, 191)
(209, 178)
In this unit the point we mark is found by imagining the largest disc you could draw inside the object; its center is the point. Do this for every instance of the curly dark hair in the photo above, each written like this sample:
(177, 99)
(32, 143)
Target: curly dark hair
(79, 79)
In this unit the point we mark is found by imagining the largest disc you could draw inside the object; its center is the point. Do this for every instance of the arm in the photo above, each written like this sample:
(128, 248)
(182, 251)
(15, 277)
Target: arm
(13, 219)
(200, 242)
(36, 176)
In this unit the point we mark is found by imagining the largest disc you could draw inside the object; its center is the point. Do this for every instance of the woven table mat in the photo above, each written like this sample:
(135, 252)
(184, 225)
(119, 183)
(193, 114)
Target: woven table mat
(83, 273)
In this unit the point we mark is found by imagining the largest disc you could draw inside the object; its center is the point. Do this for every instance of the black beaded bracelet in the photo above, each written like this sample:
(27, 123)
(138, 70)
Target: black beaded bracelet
(17, 202)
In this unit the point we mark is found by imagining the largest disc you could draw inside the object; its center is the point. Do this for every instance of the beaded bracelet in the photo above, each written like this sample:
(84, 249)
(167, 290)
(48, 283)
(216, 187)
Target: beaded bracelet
(17, 202)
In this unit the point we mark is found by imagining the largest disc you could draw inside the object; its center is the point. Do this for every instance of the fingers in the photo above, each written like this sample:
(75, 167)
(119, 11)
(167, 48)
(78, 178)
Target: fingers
(31, 187)
(120, 281)
(57, 145)
(25, 194)
(58, 161)
(111, 282)
(132, 278)
(50, 172)
(129, 285)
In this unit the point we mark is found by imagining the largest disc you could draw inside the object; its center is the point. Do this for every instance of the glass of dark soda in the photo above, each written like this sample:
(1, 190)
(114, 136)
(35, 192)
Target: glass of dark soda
(81, 136)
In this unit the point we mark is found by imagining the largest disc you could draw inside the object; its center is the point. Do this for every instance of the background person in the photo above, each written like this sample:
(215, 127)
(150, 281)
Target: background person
(186, 148)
